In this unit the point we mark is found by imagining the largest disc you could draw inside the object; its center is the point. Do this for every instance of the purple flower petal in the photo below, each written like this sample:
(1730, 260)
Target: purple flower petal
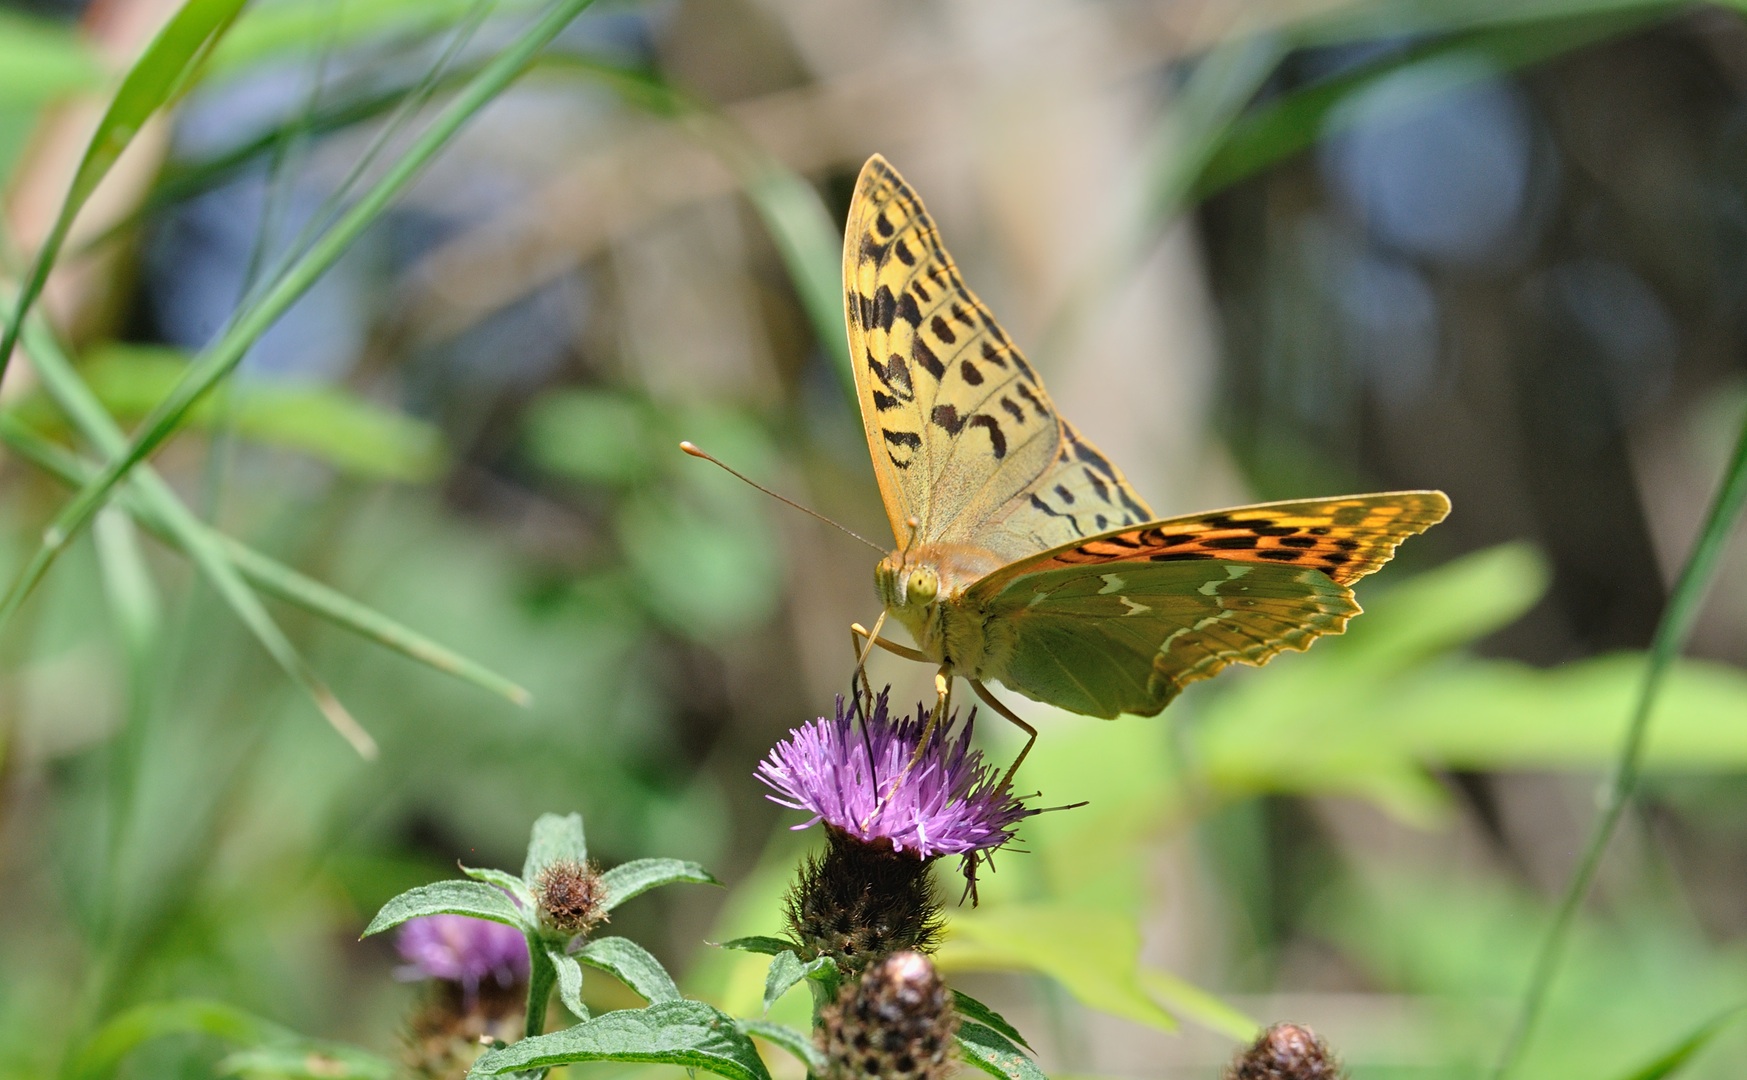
(464, 950)
(839, 771)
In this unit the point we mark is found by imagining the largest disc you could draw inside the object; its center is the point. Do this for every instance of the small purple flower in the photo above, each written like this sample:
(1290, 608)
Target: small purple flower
(839, 771)
(463, 950)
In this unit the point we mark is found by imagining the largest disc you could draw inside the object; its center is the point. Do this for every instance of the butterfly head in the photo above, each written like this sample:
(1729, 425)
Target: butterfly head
(904, 584)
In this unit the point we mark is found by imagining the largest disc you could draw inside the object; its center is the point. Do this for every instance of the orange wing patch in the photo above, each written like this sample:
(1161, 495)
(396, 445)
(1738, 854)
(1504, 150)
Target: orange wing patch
(1346, 538)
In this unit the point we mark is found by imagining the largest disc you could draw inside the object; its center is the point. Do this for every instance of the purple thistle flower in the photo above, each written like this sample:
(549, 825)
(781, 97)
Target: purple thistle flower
(949, 804)
(463, 950)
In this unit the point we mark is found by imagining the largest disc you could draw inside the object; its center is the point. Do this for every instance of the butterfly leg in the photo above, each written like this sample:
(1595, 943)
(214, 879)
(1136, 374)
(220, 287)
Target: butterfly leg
(993, 702)
(942, 705)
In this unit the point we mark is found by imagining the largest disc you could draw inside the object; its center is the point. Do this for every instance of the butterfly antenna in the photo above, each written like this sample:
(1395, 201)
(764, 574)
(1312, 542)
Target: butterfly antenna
(693, 450)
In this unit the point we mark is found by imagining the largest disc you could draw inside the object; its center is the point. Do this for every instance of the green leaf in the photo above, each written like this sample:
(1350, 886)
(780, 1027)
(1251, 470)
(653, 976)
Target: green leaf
(786, 969)
(795, 1042)
(1193, 1003)
(555, 838)
(504, 880)
(759, 943)
(451, 898)
(1676, 1057)
(995, 1054)
(638, 876)
(632, 965)
(156, 77)
(972, 1009)
(689, 1034)
(569, 981)
(1092, 953)
(308, 1061)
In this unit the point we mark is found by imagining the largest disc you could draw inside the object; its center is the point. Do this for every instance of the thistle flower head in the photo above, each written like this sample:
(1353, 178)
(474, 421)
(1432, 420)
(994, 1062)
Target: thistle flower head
(1286, 1052)
(463, 950)
(852, 777)
(896, 1022)
(569, 898)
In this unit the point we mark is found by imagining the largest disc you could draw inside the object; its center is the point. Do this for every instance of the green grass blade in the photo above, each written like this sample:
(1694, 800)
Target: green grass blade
(262, 571)
(1675, 1058)
(1672, 632)
(222, 357)
(160, 72)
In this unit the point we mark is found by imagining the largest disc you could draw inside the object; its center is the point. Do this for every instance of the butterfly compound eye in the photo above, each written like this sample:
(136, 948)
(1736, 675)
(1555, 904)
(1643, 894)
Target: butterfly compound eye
(921, 587)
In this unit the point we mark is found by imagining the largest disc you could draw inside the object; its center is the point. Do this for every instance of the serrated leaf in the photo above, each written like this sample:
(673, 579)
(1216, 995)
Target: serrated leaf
(569, 981)
(689, 1034)
(759, 943)
(638, 876)
(971, 1009)
(556, 838)
(632, 965)
(995, 1054)
(795, 1042)
(473, 898)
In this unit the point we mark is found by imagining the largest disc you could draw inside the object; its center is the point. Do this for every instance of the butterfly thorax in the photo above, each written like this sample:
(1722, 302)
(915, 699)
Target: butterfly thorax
(922, 589)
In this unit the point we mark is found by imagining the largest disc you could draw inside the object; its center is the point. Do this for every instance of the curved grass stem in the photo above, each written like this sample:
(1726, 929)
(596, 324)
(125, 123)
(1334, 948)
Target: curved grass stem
(1672, 632)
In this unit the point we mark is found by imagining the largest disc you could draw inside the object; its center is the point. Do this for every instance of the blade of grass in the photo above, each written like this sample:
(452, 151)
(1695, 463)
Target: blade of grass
(1675, 1058)
(155, 78)
(264, 572)
(219, 359)
(1672, 632)
(157, 507)
(70, 392)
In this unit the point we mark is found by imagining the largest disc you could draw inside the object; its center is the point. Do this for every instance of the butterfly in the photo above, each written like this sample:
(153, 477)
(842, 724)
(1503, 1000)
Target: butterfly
(1023, 555)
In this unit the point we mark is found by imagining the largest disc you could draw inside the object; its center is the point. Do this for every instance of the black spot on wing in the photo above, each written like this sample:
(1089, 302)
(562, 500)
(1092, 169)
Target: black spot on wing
(872, 250)
(997, 439)
(1178, 556)
(885, 307)
(902, 251)
(946, 418)
(884, 225)
(970, 373)
(882, 402)
(1230, 543)
(894, 376)
(1280, 554)
(907, 309)
(1064, 494)
(941, 330)
(1031, 399)
(922, 354)
(1098, 485)
(1013, 410)
(1299, 541)
(907, 439)
(993, 355)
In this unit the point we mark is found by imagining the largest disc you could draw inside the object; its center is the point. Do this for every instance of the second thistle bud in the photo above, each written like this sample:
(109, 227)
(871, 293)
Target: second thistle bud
(569, 897)
(1286, 1052)
(895, 1023)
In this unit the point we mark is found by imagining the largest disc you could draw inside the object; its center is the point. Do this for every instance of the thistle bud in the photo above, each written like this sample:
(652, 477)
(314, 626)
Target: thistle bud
(569, 897)
(895, 1023)
(1286, 1052)
(862, 901)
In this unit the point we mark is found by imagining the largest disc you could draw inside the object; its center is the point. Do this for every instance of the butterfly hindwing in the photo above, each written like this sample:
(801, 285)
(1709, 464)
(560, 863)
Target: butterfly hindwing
(1126, 638)
(963, 436)
(1345, 537)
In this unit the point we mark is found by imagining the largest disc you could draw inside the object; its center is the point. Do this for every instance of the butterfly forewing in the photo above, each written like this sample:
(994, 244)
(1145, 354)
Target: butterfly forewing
(1126, 638)
(963, 436)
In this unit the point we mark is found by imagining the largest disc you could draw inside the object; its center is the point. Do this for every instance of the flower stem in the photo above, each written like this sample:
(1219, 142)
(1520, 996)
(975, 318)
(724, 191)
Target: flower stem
(542, 976)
